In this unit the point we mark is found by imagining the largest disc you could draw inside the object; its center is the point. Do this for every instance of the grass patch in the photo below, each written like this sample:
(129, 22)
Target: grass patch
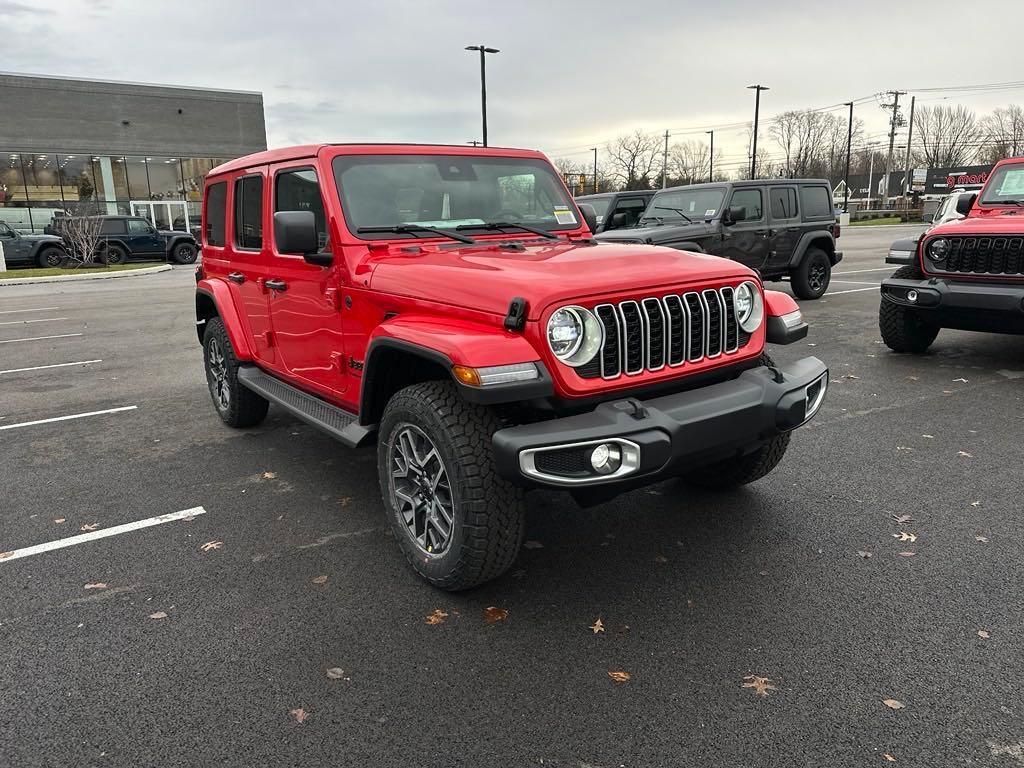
(886, 220)
(20, 274)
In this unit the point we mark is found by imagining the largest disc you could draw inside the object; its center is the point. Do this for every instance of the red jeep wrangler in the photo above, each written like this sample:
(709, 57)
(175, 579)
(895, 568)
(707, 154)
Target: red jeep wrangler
(966, 274)
(450, 303)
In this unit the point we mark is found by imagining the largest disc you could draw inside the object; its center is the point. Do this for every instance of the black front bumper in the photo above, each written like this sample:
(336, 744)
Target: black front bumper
(659, 437)
(967, 306)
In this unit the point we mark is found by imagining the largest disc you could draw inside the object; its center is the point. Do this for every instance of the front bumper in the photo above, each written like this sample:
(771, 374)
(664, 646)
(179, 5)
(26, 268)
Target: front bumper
(660, 437)
(968, 306)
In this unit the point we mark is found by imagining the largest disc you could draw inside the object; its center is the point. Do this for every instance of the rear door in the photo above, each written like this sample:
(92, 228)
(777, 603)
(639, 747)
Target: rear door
(784, 227)
(746, 241)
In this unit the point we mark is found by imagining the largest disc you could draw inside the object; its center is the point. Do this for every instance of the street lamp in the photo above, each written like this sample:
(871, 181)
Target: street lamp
(757, 108)
(711, 160)
(594, 150)
(484, 50)
(849, 141)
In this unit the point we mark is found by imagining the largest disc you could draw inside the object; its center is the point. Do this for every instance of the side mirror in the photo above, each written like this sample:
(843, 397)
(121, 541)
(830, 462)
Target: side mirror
(965, 202)
(589, 216)
(295, 233)
(733, 214)
(617, 221)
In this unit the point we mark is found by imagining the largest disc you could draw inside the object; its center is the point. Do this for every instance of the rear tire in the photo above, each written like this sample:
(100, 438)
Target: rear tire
(114, 254)
(51, 257)
(904, 330)
(184, 253)
(236, 405)
(441, 432)
(811, 277)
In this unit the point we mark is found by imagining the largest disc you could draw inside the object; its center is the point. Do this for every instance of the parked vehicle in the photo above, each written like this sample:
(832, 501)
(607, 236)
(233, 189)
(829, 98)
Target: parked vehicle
(450, 303)
(123, 238)
(781, 228)
(31, 250)
(966, 274)
(617, 210)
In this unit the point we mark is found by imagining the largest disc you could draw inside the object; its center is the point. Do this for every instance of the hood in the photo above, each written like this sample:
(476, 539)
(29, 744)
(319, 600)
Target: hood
(172, 232)
(486, 277)
(663, 233)
(42, 238)
(1001, 223)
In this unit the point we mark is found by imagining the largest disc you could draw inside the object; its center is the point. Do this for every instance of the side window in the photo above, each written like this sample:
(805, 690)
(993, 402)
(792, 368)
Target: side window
(299, 190)
(817, 203)
(249, 212)
(5, 231)
(216, 213)
(113, 227)
(783, 202)
(751, 200)
(139, 227)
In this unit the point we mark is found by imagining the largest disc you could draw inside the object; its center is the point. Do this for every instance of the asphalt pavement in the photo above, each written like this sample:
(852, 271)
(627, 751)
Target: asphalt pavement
(276, 623)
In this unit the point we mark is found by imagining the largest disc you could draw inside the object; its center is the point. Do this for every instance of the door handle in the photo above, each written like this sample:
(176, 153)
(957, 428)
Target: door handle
(276, 285)
(236, 277)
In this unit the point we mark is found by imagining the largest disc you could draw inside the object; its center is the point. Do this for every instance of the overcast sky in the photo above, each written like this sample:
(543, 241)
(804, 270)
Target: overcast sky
(570, 74)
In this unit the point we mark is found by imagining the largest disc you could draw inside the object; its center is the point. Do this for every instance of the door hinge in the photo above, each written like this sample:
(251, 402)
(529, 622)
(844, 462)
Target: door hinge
(269, 336)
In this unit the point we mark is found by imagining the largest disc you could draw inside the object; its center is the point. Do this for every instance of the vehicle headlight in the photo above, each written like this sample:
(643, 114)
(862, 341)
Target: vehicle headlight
(749, 307)
(574, 335)
(938, 249)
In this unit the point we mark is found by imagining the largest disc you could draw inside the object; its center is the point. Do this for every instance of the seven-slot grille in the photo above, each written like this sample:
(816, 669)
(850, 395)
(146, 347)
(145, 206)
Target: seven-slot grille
(650, 333)
(999, 255)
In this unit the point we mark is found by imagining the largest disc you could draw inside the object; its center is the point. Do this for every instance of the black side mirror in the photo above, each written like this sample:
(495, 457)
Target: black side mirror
(295, 233)
(589, 216)
(733, 214)
(965, 202)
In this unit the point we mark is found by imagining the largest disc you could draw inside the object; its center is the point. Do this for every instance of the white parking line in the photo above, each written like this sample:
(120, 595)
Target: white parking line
(855, 282)
(68, 418)
(26, 322)
(41, 338)
(37, 309)
(55, 365)
(101, 534)
(858, 271)
(853, 290)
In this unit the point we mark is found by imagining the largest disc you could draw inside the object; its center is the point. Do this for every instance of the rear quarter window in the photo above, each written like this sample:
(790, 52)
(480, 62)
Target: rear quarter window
(816, 203)
(215, 218)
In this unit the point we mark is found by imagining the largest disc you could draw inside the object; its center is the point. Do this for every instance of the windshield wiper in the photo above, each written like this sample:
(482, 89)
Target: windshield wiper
(1007, 202)
(412, 229)
(509, 225)
(667, 208)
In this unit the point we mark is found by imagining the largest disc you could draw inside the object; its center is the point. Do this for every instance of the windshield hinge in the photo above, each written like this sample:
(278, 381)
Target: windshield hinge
(515, 320)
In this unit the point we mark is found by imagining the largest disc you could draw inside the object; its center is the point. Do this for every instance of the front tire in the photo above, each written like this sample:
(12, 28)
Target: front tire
(51, 257)
(457, 521)
(236, 405)
(811, 278)
(184, 253)
(904, 330)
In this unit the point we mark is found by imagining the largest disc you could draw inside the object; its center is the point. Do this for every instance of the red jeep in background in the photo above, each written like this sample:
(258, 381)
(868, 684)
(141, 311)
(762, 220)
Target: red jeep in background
(450, 303)
(966, 274)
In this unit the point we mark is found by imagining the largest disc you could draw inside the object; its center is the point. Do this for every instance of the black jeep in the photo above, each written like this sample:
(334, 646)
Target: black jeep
(133, 237)
(793, 235)
(617, 210)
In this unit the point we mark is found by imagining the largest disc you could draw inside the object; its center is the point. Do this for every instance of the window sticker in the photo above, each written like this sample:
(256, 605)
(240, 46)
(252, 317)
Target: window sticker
(709, 212)
(563, 215)
(1013, 184)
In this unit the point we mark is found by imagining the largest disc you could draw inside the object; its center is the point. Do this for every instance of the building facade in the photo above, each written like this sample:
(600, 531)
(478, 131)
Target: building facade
(70, 146)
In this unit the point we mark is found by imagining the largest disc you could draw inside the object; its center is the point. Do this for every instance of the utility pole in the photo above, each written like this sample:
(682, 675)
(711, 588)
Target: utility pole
(871, 172)
(594, 150)
(757, 108)
(664, 164)
(711, 158)
(893, 125)
(484, 50)
(849, 141)
(910, 138)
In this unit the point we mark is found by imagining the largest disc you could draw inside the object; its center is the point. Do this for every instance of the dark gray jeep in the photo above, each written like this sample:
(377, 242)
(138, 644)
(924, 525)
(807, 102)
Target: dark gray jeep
(31, 250)
(781, 227)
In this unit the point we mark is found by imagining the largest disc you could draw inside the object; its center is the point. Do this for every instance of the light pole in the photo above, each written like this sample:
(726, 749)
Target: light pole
(849, 139)
(871, 172)
(484, 50)
(594, 150)
(711, 158)
(757, 108)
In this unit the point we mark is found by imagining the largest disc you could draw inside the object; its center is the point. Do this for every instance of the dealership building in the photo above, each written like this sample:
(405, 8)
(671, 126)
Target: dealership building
(88, 146)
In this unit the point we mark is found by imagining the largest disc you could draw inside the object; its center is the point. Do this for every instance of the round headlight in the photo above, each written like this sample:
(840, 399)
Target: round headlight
(749, 307)
(938, 249)
(574, 335)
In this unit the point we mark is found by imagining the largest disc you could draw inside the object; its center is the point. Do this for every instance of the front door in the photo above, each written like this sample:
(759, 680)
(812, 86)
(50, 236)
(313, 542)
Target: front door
(143, 239)
(785, 231)
(305, 299)
(15, 248)
(746, 241)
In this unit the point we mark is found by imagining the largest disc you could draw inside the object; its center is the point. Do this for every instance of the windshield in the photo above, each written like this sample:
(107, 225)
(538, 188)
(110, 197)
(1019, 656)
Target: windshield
(703, 203)
(600, 205)
(448, 192)
(1006, 184)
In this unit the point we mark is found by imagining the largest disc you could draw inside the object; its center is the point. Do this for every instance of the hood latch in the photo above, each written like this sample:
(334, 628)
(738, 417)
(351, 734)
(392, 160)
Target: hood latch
(515, 320)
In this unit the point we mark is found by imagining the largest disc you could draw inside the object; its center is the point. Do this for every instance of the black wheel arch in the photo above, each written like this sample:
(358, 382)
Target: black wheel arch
(39, 247)
(174, 242)
(206, 310)
(819, 238)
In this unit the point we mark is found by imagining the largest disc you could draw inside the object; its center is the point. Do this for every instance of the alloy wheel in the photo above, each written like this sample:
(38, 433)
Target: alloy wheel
(218, 374)
(420, 489)
(816, 277)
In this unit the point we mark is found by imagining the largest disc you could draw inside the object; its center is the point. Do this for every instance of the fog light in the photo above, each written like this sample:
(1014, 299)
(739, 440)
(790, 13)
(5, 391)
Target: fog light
(606, 458)
(912, 296)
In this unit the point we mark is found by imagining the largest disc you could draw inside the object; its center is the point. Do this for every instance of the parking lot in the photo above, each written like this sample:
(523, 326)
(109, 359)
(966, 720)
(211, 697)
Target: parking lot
(271, 620)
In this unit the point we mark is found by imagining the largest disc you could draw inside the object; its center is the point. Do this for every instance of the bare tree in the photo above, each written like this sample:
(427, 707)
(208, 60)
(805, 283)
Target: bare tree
(1001, 134)
(634, 159)
(689, 162)
(81, 233)
(813, 143)
(766, 167)
(945, 136)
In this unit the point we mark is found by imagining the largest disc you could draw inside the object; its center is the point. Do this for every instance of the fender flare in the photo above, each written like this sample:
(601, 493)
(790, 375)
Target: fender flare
(217, 292)
(38, 248)
(778, 305)
(173, 242)
(688, 245)
(808, 240)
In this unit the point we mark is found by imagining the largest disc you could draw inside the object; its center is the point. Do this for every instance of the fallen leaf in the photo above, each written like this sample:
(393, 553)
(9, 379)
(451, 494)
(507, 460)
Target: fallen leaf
(533, 545)
(904, 536)
(983, 634)
(863, 554)
(269, 475)
(89, 527)
(158, 615)
(299, 714)
(905, 554)
(963, 381)
(493, 614)
(850, 376)
(319, 579)
(437, 617)
(893, 704)
(660, 559)
(914, 378)
(965, 453)
(902, 518)
(212, 545)
(975, 503)
(59, 519)
(619, 676)
(335, 673)
(96, 585)
(597, 626)
(761, 685)
(982, 539)
(889, 757)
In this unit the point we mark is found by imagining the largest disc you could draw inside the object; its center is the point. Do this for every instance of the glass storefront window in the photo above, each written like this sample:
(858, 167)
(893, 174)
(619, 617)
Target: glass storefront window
(42, 180)
(138, 178)
(77, 182)
(165, 178)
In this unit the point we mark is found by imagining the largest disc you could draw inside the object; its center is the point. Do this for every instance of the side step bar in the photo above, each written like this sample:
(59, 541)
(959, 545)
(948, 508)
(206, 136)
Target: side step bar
(328, 418)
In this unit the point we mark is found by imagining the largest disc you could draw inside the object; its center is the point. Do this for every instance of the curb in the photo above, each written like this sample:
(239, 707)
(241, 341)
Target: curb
(73, 278)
